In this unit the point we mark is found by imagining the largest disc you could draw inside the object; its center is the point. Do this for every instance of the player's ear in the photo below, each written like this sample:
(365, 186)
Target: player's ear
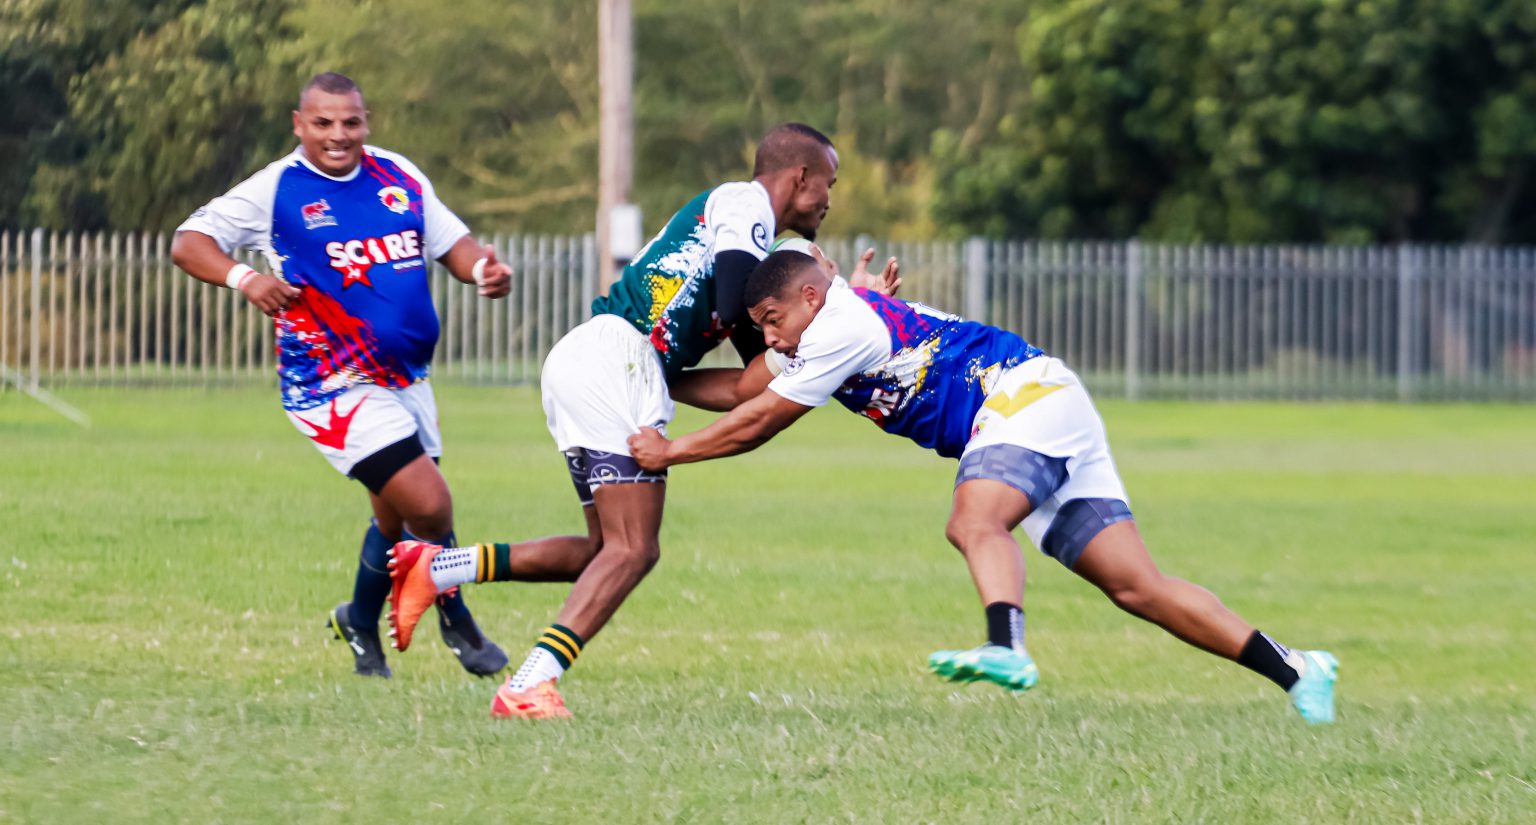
(296, 122)
(814, 297)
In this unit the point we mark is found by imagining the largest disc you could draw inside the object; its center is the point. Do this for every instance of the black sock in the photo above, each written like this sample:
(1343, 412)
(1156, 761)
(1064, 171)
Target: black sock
(1266, 657)
(372, 585)
(1005, 625)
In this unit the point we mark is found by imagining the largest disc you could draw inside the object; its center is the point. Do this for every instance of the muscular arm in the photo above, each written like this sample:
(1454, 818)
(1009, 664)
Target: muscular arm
(199, 255)
(712, 389)
(741, 430)
(721, 390)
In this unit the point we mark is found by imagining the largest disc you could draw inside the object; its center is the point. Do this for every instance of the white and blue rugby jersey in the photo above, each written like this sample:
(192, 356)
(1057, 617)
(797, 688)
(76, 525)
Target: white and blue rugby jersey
(358, 248)
(915, 371)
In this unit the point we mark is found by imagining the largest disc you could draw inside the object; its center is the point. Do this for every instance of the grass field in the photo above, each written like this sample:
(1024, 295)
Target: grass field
(166, 576)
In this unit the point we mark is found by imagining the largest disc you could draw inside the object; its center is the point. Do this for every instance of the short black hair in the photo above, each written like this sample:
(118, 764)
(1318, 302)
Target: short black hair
(775, 275)
(333, 83)
(788, 145)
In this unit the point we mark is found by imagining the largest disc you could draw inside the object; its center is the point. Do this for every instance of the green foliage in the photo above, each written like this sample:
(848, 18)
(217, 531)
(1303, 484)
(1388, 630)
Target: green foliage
(1261, 120)
(1219, 120)
(496, 102)
(164, 104)
(155, 106)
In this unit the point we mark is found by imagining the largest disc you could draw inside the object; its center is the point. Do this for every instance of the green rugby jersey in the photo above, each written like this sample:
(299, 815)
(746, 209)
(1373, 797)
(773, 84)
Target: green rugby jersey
(668, 291)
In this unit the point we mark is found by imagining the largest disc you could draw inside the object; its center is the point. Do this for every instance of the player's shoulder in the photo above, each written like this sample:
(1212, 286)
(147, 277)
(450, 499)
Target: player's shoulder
(396, 159)
(274, 171)
(748, 193)
(846, 318)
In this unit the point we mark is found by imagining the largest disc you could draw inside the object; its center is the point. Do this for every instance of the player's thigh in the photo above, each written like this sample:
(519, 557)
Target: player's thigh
(1116, 559)
(419, 494)
(985, 505)
(359, 424)
(629, 515)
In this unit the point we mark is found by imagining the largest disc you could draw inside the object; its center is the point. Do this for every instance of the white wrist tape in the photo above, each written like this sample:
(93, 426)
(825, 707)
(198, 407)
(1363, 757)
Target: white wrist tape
(238, 275)
(478, 273)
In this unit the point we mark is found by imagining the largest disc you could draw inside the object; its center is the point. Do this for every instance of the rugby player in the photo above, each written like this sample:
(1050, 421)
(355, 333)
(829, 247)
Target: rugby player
(1032, 450)
(349, 231)
(618, 374)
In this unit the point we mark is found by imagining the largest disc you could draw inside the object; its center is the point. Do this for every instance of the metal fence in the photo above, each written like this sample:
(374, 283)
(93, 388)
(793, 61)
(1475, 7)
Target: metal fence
(1138, 320)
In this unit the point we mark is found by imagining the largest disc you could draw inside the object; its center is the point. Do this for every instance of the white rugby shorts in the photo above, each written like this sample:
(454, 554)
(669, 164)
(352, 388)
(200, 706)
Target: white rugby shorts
(601, 383)
(1041, 405)
(368, 418)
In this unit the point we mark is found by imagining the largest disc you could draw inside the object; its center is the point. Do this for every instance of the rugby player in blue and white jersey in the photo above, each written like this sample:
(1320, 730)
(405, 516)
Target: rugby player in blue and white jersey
(349, 231)
(1032, 450)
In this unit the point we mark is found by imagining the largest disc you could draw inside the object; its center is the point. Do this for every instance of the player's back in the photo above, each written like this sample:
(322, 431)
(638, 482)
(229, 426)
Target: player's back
(667, 291)
(941, 369)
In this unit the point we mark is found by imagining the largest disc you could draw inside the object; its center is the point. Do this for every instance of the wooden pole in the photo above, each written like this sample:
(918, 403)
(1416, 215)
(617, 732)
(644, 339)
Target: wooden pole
(615, 168)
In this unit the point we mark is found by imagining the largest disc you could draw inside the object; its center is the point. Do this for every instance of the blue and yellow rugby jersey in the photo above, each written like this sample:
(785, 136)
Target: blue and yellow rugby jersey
(915, 371)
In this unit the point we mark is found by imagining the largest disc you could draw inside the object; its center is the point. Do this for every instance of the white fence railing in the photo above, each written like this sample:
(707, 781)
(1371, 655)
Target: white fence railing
(1138, 320)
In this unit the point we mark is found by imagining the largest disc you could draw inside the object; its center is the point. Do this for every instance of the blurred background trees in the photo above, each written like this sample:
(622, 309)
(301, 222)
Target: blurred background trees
(1216, 120)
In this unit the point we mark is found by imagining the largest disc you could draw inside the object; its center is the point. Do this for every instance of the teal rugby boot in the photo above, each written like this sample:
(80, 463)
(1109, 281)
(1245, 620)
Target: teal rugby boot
(1012, 669)
(1313, 692)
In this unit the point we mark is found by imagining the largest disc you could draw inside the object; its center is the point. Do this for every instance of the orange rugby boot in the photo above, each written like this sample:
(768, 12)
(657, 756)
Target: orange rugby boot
(542, 701)
(412, 590)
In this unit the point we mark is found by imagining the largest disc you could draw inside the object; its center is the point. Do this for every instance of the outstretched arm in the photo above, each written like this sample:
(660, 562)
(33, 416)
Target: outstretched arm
(741, 430)
(720, 389)
(708, 388)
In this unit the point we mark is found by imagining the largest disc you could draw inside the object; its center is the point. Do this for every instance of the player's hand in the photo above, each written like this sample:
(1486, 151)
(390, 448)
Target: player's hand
(649, 449)
(886, 283)
(496, 277)
(827, 264)
(268, 293)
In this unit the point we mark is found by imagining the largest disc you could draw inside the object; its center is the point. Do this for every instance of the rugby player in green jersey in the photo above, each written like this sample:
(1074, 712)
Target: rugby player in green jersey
(618, 373)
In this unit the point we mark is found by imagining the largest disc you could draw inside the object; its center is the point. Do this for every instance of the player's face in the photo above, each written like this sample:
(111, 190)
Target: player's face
(332, 129)
(784, 321)
(812, 197)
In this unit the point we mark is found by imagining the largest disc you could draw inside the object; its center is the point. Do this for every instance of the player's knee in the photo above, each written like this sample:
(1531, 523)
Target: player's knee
(1140, 596)
(968, 531)
(639, 557)
(432, 524)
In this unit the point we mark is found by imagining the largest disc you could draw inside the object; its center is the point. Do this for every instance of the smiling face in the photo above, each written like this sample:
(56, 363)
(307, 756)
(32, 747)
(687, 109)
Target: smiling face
(331, 128)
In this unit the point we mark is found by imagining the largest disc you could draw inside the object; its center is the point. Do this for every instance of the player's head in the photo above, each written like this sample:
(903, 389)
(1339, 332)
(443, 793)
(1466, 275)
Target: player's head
(783, 294)
(800, 163)
(331, 123)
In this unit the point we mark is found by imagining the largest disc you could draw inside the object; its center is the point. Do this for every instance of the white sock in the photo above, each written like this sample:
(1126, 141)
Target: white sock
(453, 566)
(540, 666)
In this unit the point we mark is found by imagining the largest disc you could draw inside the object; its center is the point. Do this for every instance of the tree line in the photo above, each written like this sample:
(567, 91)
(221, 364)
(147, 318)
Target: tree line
(1189, 120)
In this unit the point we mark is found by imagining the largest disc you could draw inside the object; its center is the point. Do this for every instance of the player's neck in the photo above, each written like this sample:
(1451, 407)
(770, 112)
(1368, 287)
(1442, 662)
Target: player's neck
(315, 167)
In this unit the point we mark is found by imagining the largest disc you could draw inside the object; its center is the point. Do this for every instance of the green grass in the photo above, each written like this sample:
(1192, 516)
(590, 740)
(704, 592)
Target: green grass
(166, 574)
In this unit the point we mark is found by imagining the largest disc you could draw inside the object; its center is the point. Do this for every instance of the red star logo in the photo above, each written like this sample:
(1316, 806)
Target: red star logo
(700, 218)
(334, 436)
(355, 274)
